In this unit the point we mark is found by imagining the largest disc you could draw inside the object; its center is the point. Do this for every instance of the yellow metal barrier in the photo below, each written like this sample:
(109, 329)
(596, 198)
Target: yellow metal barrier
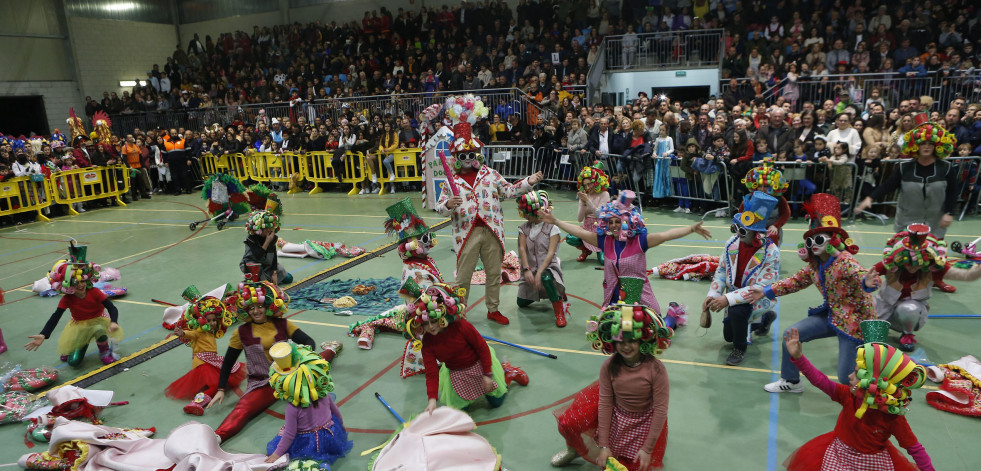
(269, 167)
(405, 165)
(21, 194)
(320, 170)
(87, 184)
(237, 165)
(212, 164)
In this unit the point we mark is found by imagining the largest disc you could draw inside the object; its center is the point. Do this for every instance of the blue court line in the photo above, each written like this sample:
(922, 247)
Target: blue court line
(151, 329)
(776, 355)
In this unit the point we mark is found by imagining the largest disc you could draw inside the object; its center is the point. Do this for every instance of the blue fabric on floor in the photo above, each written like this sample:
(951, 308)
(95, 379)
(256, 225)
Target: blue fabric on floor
(384, 297)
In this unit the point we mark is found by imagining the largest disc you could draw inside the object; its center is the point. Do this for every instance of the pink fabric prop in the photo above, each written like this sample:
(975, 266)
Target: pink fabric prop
(449, 174)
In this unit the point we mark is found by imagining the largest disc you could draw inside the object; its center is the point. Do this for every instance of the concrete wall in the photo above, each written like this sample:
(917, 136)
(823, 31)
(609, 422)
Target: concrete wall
(630, 83)
(108, 51)
(58, 97)
(228, 25)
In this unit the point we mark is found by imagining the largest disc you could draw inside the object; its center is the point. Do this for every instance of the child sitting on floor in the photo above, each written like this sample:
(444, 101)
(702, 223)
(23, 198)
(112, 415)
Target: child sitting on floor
(541, 269)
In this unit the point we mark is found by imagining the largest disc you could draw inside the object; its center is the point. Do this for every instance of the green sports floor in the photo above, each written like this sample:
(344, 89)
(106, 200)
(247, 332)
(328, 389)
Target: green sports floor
(720, 417)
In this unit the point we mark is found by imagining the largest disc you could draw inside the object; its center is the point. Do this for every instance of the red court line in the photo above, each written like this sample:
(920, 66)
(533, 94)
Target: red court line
(40, 240)
(597, 306)
(295, 313)
(372, 380)
(32, 256)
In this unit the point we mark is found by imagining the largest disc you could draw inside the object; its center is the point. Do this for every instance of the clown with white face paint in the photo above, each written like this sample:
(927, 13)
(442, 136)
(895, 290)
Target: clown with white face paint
(750, 260)
(831, 267)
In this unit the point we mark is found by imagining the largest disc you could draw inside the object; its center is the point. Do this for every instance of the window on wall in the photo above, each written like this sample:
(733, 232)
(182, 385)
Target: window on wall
(27, 115)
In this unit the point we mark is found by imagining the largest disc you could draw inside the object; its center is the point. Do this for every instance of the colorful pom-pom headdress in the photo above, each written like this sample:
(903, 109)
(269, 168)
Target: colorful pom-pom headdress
(928, 132)
(529, 204)
(600, 180)
(412, 231)
(915, 248)
(631, 219)
(757, 208)
(195, 317)
(625, 322)
(440, 302)
(824, 215)
(767, 179)
(261, 220)
(264, 293)
(886, 376)
(298, 375)
(463, 111)
(66, 273)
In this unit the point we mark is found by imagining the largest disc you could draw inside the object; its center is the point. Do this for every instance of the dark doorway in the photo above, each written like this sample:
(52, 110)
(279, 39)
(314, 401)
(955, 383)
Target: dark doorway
(24, 115)
(682, 94)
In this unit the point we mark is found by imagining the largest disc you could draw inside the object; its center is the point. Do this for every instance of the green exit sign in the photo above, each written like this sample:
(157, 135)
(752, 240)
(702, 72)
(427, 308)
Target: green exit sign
(680, 73)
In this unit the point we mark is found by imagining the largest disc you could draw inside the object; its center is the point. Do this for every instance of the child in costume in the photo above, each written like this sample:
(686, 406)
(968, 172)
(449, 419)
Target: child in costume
(314, 429)
(625, 240)
(260, 249)
(770, 181)
(203, 321)
(592, 194)
(832, 268)
(476, 212)
(750, 259)
(261, 306)
(873, 406)
(625, 414)
(908, 262)
(94, 317)
(470, 369)
(541, 268)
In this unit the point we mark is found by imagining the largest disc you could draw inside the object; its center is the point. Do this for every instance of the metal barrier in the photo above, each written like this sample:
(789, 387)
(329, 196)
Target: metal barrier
(273, 168)
(673, 49)
(21, 195)
(807, 178)
(511, 161)
(319, 169)
(966, 168)
(211, 165)
(88, 184)
(558, 167)
(407, 166)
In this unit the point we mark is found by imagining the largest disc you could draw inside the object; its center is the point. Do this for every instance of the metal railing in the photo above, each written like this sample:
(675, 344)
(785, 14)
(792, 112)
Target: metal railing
(670, 49)
(872, 176)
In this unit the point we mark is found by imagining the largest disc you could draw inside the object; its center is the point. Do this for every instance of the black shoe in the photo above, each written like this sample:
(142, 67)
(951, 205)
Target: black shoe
(764, 328)
(736, 357)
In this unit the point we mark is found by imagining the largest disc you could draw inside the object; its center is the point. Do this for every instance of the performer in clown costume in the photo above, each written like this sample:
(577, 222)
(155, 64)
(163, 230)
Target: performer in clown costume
(541, 269)
(831, 267)
(624, 239)
(460, 366)
(593, 193)
(928, 186)
(625, 415)
(94, 317)
(874, 402)
(204, 320)
(750, 259)
(769, 180)
(314, 429)
(472, 201)
(261, 261)
(909, 261)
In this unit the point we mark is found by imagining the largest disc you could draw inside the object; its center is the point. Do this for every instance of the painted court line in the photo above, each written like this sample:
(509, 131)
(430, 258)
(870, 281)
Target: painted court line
(776, 355)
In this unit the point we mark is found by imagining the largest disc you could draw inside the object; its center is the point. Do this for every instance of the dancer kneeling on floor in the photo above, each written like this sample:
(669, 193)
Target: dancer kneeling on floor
(94, 317)
(470, 368)
(750, 259)
(261, 306)
(202, 322)
(541, 269)
(314, 429)
(873, 408)
(625, 415)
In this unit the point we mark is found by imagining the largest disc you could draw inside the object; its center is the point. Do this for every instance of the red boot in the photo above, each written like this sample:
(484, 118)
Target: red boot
(585, 253)
(513, 373)
(938, 282)
(561, 309)
(197, 405)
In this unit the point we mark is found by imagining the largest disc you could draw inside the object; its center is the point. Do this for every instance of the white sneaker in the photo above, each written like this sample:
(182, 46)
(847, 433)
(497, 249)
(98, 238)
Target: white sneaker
(687, 210)
(679, 209)
(784, 386)
(720, 213)
(391, 177)
(364, 191)
(563, 458)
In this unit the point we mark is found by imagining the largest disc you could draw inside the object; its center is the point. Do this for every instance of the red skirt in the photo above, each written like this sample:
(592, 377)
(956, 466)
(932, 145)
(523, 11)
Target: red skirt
(578, 423)
(200, 377)
(828, 453)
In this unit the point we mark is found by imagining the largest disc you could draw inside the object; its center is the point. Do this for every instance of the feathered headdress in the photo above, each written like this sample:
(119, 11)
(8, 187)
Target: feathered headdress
(102, 126)
(76, 125)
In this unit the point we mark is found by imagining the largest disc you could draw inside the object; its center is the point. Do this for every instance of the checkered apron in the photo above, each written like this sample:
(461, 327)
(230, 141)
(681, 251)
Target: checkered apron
(469, 382)
(841, 457)
(215, 360)
(628, 431)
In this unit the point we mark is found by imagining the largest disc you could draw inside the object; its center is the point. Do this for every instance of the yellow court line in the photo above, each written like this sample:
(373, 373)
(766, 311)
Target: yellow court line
(296, 321)
(117, 300)
(106, 367)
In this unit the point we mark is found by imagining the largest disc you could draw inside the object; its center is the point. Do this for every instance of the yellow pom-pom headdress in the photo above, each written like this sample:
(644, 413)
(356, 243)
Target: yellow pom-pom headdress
(928, 132)
(65, 274)
(440, 302)
(886, 379)
(265, 293)
(599, 180)
(766, 179)
(298, 375)
(623, 322)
